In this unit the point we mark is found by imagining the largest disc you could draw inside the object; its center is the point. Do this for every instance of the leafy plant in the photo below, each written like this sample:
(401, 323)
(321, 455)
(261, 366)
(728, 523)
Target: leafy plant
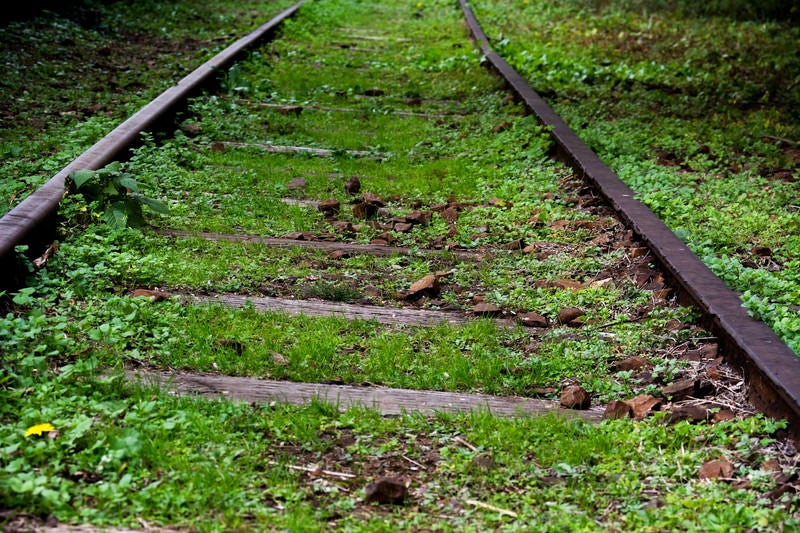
(116, 192)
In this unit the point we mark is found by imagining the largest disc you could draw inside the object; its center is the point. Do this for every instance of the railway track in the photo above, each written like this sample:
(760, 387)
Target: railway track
(335, 188)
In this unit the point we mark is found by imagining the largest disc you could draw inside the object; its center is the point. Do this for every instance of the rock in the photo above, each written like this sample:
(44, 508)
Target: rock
(403, 227)
(487, 309)
(329, 207)
(371, 198)
(418, 217)
(567, 315)
(365, 210)
(353, 185)
(342, 226)
(617, 409)
(156, 295)
(516, 244)
(374, 92)
(642, 405)
(426, 286)
(716, 469)
(449, 214)
(691, 413)
(218, 147)
(532, 320)
(635, 362)
(339, 254)
(387, 490)
(575, 397)
(296, 184)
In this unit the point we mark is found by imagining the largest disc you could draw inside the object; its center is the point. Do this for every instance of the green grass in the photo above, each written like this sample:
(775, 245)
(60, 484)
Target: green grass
(124, 453)
(72, 75)
(689, 109)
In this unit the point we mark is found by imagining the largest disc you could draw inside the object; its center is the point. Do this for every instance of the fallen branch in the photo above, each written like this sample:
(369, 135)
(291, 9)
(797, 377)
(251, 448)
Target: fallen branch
(500, 510)
(316, 470)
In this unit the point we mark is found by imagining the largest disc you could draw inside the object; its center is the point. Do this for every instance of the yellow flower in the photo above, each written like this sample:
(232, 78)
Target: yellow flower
(419, 5)
(83, 209)
(38, 429)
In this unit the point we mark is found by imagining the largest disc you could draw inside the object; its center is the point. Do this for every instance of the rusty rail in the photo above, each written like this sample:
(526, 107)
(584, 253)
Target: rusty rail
(41, 205)
(771, 368)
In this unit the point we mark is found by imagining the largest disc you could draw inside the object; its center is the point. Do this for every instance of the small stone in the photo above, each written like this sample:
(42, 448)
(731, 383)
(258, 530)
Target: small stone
(387, 490)
(617, 409)
(516, 244)
(156, 295)
(343, 226)
(371, 198)
(403, 227)
(426, 286)
(567, 315)
(486, 309)
(418, 217)
(296, 184)
(365, 210)
(642, 405)
(329, 207)
(532, 320)
(575, 397)
(634, 362)
(353, 185)
(449, 214)
(691, 413)
(339, 254)
(716, 469)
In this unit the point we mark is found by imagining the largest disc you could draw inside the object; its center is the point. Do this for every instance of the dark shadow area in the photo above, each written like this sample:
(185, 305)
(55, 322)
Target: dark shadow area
(753, 10)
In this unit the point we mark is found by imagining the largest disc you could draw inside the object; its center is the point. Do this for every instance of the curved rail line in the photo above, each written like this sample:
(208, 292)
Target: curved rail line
(772, 369)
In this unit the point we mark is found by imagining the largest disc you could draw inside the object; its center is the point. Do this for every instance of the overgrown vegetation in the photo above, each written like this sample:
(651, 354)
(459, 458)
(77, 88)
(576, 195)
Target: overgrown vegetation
(695, 110)
(443, 146)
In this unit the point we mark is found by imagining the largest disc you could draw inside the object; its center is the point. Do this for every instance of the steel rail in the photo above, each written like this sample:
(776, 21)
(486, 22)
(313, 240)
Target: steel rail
(42, 204)
(770, 367)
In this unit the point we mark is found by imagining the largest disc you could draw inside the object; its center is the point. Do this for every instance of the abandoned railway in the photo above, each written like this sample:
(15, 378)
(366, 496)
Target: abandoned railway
(356, 213)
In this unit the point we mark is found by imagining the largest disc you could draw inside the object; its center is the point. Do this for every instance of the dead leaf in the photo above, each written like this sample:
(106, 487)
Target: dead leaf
(716, 469)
